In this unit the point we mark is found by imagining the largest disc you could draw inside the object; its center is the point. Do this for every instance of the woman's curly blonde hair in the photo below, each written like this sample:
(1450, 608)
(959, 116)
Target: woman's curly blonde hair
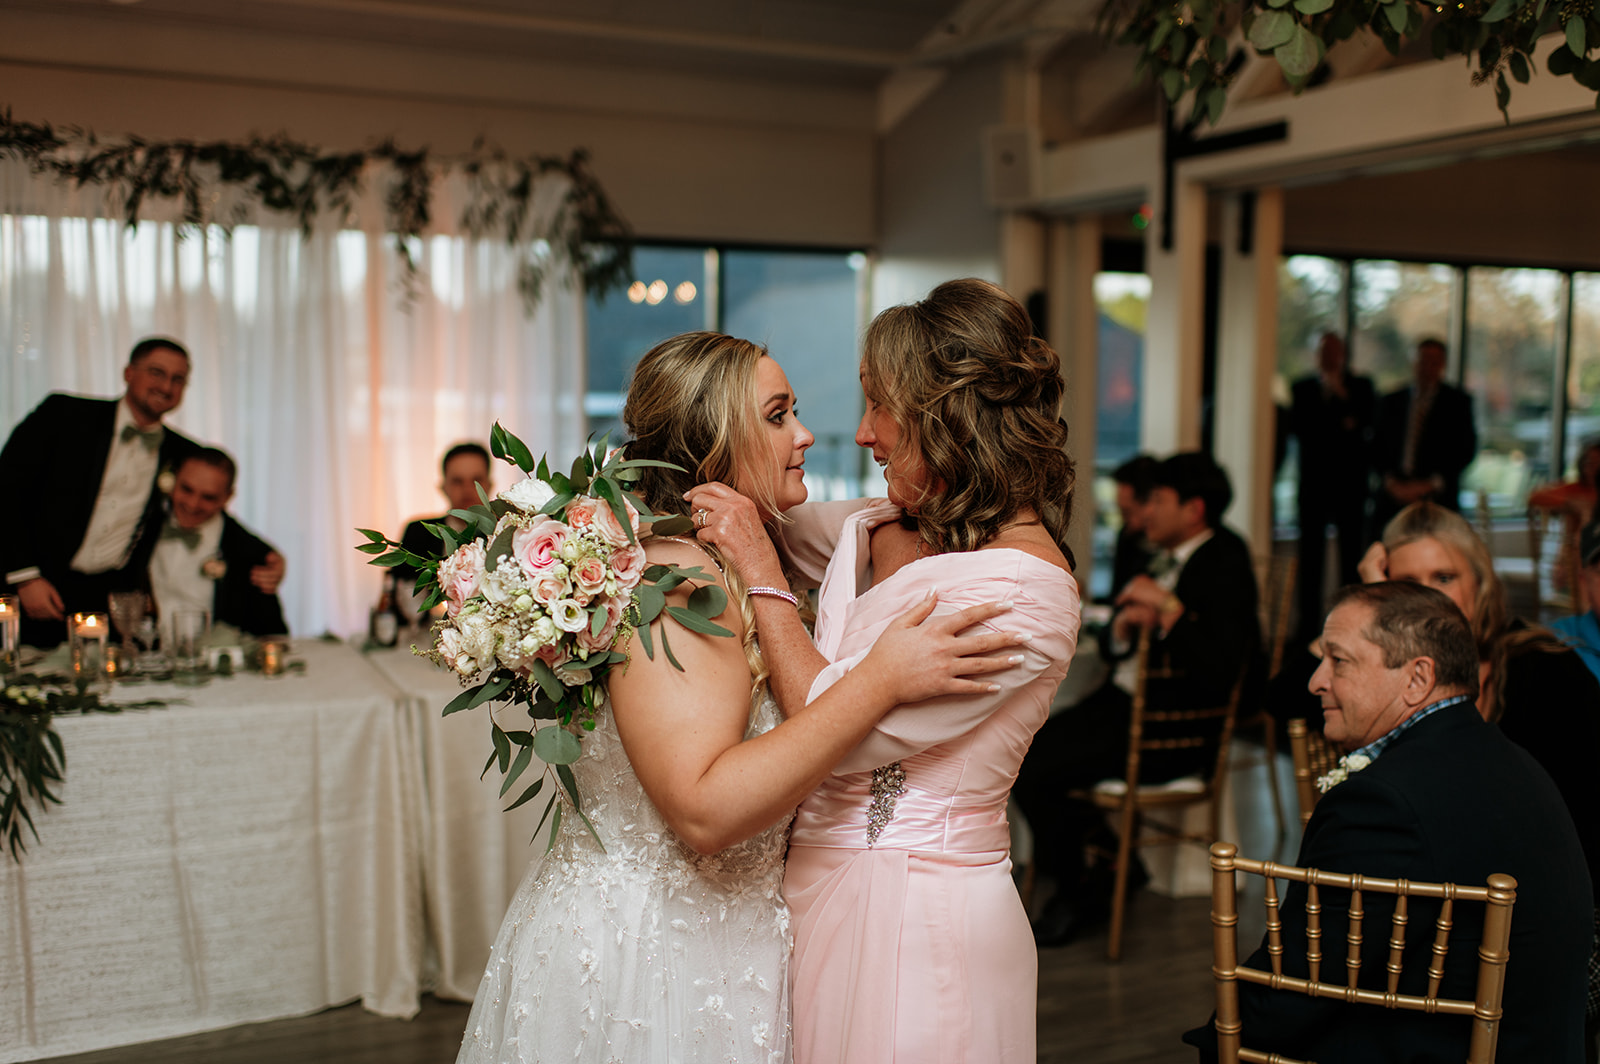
(977, 398)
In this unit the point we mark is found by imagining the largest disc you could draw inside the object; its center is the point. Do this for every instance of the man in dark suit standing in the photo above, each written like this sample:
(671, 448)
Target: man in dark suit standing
(1331, 416)
(204, 557)
(1429, 792)
(1423, 440)
(87, 469)
(1198, 601)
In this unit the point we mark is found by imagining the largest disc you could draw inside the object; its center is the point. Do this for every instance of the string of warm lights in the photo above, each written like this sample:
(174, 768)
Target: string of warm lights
(656, 291)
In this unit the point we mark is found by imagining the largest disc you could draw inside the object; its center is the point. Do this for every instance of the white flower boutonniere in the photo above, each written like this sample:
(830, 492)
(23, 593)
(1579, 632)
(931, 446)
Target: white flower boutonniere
(1347, 764)
(214, 567)
(166, 480)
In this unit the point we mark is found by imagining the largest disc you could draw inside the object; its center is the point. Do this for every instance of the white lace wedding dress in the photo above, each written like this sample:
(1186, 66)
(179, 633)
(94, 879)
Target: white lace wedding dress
(645, 953)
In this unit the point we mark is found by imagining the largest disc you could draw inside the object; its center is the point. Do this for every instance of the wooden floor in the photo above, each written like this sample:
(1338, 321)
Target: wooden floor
(1090, 1011)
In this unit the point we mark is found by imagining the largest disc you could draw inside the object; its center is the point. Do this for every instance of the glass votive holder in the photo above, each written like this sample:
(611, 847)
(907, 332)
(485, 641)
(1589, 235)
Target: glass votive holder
(274, 656)
(88, 635)
(10, 632)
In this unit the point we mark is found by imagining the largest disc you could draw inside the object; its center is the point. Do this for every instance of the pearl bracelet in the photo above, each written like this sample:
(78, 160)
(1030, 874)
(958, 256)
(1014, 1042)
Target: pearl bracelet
(774, 592)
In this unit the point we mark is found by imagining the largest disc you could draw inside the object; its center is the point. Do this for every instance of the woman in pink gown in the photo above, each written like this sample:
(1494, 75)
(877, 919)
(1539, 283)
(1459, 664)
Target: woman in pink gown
(911, 944)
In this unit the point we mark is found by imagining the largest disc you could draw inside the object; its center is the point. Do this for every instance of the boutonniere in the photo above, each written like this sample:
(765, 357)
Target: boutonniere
(1347, 764)
(166, 480)
(214, 567)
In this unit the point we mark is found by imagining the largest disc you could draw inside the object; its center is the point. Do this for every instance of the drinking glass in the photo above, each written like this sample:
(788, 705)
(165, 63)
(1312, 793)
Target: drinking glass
(189, 630)
(128, 611)
(10, 632)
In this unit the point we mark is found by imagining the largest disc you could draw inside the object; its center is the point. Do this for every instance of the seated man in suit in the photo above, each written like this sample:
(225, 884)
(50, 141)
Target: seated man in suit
(1198, 601)
(1134, 479)
(464, 467)
(1429, 792)
(204, 557)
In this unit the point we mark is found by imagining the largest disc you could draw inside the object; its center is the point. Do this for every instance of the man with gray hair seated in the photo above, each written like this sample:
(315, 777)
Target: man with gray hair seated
(1427, 791)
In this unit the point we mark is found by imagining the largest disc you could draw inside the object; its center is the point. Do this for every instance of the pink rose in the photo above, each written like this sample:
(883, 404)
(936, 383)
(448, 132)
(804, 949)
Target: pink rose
(538, 547)
(590, 577)
(610, 530)
(629, 565)
(580, 512)
(461, 574)
(548, 588)
(614, 607)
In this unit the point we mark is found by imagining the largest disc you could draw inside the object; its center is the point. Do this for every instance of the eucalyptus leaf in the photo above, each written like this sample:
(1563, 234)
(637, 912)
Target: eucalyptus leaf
(372, 548)
(556, 746)
(524, 756)
(649, 601)
(597, 620)
(1312, 7)
(1270, 29)
(1575, 36)
(1396, 14)
(500, 548)
(666, 647)
(672, 525)
(1499, 11)
(1172, 83)
(1159, 37)
(555, 800)
(555, 828)
(1519, 67)
(502, 746)
(694, 622)
(545, 677)
(708, 600)
(528, 794)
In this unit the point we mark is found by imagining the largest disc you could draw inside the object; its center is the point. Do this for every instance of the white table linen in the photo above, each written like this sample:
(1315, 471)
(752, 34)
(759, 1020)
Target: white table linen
(247, 856)
(474, 854)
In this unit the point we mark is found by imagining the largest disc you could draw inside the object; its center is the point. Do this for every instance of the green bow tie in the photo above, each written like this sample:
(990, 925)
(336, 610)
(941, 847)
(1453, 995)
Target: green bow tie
(190, 536)
(151, 438)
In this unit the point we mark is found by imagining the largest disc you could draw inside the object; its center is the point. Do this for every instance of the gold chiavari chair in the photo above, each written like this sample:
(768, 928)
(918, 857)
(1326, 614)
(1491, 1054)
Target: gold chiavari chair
(1175, 729)
(1312, 757)
(1493, 952)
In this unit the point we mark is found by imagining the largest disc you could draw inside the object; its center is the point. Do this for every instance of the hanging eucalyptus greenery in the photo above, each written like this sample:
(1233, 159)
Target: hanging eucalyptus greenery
(1186, 45)
(576, 228)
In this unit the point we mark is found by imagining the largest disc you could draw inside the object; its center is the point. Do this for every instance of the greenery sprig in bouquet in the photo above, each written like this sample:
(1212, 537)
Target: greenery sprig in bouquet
(544, 588)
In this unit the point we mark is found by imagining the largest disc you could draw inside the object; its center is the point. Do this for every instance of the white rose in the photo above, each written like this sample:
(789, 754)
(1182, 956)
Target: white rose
(572, 676)
(528, 495)
(505, 584)
(569, 616)
(545, 631)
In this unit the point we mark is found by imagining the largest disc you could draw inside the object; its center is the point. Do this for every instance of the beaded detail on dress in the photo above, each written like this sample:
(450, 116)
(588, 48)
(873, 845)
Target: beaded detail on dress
(888, 787)
(646, 951)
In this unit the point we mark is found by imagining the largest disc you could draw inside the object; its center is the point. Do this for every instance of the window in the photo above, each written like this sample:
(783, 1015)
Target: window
(806, 307)
(1123, 300)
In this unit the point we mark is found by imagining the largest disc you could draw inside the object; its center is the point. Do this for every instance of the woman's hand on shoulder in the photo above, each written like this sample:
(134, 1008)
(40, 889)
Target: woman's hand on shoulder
(730, 522)
(922, 656)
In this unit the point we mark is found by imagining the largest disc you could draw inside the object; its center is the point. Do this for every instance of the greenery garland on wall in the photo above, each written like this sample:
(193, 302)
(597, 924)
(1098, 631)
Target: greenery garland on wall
(302, 182)
(1186, 45)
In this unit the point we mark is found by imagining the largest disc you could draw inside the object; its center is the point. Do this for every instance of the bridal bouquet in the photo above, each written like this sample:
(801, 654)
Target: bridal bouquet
(542, 589)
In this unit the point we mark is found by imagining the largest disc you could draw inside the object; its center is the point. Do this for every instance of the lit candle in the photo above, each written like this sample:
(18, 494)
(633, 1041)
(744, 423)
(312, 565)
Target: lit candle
(89, 633)
(10, 631)
(272, 651)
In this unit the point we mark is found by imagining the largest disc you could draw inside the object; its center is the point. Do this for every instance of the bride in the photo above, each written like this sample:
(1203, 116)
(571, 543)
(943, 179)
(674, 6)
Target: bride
(672, 942)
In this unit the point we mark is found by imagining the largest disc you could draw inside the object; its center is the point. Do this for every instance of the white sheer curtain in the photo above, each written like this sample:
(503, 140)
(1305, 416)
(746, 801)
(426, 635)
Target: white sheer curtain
(335, 393)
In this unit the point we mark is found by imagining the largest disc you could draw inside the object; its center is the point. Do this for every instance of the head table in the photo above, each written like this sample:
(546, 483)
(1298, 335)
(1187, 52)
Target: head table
(265, 847)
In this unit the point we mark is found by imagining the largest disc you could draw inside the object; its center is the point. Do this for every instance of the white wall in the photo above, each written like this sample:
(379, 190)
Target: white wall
(936, 223)
(704, 158)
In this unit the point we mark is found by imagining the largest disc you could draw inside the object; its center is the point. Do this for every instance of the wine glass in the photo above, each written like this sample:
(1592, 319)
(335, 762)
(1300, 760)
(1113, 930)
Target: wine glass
(128, 611)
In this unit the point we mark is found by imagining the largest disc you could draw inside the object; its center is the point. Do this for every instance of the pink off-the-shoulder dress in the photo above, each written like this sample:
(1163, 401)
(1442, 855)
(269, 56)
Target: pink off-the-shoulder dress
(911, 944)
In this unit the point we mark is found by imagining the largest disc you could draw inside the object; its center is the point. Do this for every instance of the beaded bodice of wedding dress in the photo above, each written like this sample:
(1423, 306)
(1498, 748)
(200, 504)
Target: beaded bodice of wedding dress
(645, 951)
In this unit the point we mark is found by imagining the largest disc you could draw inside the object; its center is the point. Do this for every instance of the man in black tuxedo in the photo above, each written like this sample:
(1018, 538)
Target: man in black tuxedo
(1437, 795)
(204, 557)
(1423, 439)
(87, 469)
(1198, 601)
(1331, 417)
(463, 468)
